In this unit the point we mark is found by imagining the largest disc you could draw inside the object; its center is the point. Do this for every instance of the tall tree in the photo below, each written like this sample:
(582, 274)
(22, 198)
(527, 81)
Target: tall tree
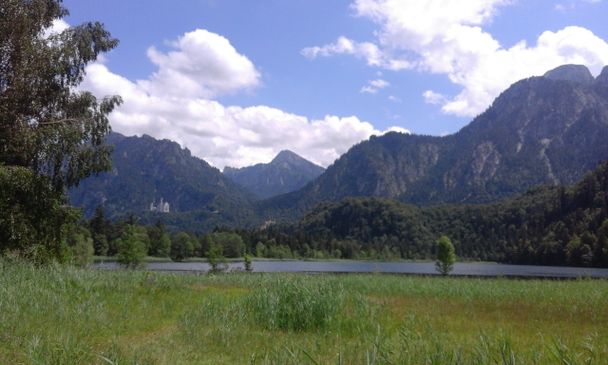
(47, 125)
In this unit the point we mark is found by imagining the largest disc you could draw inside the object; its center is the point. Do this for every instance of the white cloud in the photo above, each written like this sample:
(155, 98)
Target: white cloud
(222, 135)
(200, 64)
(432, 97)
(373, 86)
(394, 99)
(447, 37)
(365, 50)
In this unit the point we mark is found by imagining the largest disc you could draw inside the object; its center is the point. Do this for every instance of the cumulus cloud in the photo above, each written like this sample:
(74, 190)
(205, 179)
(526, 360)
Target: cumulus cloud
(373, 86)
(200, 64)
(447, 37)
(180, 108)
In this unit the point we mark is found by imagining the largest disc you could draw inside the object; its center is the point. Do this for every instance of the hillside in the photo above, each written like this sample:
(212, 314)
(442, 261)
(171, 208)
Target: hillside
(287, 172)
(547, 130)
(146, 170)
(547, 225)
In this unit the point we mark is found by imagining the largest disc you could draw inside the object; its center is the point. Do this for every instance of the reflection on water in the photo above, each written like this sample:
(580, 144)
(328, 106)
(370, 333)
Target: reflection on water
(422, 268)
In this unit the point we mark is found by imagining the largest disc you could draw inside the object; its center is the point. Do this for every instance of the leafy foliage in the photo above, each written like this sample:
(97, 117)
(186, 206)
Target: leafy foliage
(181, 247)
(47, 125)
(31, 215)
(132, 246)
(445, 255)
(547, 225)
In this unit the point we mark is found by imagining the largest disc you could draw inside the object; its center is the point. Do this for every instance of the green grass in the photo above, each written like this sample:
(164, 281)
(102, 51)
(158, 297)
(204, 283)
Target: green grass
(64, 315)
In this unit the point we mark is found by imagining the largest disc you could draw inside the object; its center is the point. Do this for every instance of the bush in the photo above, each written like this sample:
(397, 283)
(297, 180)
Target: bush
(296, 304)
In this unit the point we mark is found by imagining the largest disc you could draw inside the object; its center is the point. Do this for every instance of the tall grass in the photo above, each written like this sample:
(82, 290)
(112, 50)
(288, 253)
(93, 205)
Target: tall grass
(63, 315)
(296, 304)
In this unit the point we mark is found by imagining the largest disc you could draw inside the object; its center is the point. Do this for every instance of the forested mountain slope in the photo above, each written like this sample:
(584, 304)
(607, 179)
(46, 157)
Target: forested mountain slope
(542, 130)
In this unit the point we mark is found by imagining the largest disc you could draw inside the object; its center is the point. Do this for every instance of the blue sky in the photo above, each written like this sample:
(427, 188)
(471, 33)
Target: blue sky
(316, 76)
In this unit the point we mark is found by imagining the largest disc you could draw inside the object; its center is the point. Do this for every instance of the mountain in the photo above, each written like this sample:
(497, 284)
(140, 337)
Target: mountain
(541, 130)
(548, 225)
(146, 170)
(287, 172)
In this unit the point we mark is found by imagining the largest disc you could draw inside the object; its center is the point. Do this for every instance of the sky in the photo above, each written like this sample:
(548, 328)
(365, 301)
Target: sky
(237, 81)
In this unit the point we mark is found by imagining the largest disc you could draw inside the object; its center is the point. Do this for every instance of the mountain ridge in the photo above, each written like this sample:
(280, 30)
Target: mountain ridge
(541, 130)
(146, 169)
(286, 172)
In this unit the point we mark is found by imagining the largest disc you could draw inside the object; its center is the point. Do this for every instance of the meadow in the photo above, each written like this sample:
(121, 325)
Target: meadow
(65, 315)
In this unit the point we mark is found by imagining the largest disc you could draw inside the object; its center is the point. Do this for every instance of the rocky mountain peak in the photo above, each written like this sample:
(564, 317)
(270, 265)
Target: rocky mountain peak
(287, 172)
(603, 76)
(573, 73)
(286, 156)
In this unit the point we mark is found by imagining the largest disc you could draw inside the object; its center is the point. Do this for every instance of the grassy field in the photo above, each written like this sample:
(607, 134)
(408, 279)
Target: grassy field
(63, 315)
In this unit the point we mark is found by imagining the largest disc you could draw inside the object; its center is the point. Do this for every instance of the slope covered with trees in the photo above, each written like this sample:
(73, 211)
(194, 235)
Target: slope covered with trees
(287, 172)
(146, 169)
(547, 225)
(543, 130)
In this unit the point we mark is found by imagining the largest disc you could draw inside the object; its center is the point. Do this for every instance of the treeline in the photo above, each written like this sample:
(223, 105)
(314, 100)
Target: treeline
(546, 226)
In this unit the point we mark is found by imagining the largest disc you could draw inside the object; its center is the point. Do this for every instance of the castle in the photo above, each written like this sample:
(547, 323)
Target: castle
(162, 207)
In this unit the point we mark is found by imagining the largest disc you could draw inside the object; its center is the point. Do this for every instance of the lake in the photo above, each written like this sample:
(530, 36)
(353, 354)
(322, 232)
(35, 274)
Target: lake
(412, 268)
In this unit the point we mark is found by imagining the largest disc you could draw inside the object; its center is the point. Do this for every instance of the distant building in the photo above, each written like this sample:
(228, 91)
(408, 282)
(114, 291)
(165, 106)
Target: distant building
(162, 207)
(267, 224)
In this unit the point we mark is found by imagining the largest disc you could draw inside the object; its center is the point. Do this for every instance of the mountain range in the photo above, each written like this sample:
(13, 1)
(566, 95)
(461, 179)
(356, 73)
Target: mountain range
(287, 172)
(146, 170)
(547, 130)
(541, 130)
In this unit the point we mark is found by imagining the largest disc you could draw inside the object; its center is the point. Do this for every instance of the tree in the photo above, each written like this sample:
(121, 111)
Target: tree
(445, 255)
(79, 245)
(47, 125)
(232, 243)
(99, 230)
(181, 247)
(248, 262)
(160, 242)
(132, 246)
(30, 214)
(215, 258)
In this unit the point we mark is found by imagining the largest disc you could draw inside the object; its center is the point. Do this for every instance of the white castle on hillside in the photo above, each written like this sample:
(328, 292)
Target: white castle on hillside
(162, 207)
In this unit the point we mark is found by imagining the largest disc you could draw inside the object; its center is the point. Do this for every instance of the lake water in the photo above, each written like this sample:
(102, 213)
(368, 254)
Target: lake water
(413, 268)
